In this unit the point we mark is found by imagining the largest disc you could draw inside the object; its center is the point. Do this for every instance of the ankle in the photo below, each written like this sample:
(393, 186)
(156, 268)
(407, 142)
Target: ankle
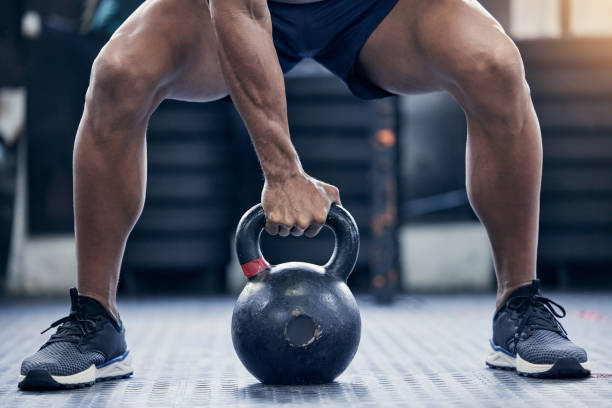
(504, 290)
(109, 304)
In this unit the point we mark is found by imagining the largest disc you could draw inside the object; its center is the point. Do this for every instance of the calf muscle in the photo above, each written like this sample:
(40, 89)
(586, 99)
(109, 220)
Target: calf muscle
(457, 46)
(165, 49)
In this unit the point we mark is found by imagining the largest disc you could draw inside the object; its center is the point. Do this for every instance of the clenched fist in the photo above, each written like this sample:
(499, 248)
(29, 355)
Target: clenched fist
(297, 205)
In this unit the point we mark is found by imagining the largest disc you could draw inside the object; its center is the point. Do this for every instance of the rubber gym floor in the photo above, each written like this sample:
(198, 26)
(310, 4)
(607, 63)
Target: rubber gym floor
(421, 351)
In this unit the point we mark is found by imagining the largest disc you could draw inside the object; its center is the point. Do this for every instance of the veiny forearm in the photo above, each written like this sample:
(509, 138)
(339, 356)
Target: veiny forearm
(255, 80)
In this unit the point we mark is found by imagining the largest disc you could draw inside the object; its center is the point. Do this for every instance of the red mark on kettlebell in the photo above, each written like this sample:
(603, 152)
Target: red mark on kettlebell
(252, 268)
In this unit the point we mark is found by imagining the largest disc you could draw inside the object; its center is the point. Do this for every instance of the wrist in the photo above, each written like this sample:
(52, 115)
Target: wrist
(280, 173)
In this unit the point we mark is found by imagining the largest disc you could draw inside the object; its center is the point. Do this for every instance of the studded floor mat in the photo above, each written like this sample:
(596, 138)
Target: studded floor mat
(423, 351)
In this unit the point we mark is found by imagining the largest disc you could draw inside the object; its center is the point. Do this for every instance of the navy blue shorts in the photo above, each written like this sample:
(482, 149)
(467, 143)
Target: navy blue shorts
(331, 32)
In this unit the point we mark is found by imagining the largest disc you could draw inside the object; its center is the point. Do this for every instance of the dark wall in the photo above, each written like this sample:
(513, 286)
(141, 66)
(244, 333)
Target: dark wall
(571, 85)
(432, 165)
(11, 45)
(57, 77)
(571, 82)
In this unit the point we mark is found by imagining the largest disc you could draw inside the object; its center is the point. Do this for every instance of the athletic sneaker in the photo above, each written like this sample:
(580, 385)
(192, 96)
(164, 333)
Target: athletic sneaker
(528, 338)
(88, 346)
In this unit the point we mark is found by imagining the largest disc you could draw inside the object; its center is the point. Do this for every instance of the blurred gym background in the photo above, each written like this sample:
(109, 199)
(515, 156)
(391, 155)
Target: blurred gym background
(399, 163)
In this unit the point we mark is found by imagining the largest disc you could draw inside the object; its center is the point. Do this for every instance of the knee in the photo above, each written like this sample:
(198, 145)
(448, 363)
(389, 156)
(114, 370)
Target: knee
(500, 68)
(495, 86)
(120, 90)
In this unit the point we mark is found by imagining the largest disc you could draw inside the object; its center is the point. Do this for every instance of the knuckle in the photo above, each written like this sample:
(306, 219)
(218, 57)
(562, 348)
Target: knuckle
(274, 218)
(320, 217)
(303, 223)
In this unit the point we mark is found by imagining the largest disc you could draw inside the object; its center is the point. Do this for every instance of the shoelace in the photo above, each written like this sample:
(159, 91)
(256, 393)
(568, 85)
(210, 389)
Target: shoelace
(540, 313)
(72, 328)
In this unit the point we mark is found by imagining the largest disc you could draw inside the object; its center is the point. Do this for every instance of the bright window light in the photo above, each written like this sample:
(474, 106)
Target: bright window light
(591, 17)
(536, 18)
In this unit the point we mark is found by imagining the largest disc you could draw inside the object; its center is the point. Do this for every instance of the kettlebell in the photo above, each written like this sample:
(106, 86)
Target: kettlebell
(296, 322)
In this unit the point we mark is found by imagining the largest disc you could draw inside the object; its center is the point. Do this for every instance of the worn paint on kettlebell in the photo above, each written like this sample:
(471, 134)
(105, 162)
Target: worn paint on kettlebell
(297, 323)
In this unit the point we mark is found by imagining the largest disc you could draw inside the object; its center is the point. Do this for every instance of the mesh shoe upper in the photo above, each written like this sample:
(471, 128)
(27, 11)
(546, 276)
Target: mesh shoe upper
(546, 347)
(61, 358)
(87, 336)
(527, 325)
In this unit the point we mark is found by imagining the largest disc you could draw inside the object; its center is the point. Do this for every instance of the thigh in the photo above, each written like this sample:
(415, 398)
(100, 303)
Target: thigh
(171, 44)
(425, 45)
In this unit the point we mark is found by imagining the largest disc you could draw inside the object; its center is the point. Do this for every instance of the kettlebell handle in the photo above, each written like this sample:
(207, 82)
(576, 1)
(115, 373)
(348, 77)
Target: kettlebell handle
(339, 220)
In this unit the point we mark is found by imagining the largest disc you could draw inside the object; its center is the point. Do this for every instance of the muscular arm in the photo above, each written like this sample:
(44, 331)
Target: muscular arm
(255, 79)
(292, 200)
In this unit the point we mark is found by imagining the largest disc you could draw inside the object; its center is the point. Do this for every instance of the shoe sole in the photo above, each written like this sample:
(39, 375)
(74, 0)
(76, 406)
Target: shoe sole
(568, 367)
(39, 379)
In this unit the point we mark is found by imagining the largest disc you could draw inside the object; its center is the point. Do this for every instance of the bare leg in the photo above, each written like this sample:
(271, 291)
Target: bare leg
(165, 49)
(456, 45)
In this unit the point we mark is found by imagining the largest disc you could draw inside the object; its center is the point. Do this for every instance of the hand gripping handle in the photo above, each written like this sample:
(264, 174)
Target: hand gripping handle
(339, 220)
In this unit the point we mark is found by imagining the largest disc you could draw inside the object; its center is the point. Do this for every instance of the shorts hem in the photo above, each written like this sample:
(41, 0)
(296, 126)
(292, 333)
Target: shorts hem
(359, 84)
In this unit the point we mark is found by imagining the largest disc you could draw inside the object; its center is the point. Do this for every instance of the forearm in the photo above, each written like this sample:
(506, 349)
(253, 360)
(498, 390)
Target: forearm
(254, 77)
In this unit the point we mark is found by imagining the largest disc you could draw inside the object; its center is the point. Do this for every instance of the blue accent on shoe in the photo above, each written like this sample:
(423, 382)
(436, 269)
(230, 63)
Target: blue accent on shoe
(114, 360)
(498, 348)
